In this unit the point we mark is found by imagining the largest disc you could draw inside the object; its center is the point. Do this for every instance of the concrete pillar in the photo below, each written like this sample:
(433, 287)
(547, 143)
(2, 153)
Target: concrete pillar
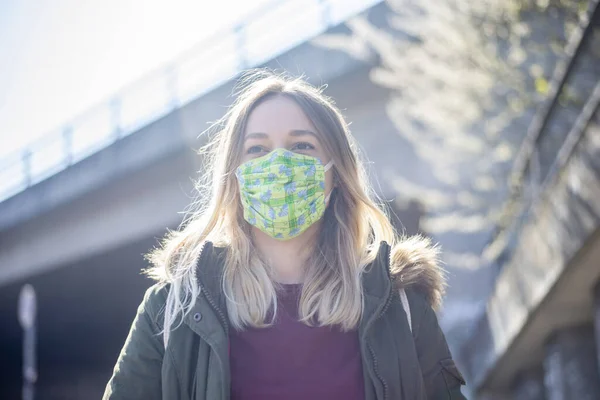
(530, 386)
(571, 365)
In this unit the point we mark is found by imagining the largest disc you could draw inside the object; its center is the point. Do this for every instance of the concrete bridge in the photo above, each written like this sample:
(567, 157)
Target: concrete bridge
(78, 235)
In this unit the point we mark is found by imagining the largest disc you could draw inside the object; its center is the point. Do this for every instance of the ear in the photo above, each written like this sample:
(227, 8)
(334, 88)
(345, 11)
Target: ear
(334, 179)
(330, 196)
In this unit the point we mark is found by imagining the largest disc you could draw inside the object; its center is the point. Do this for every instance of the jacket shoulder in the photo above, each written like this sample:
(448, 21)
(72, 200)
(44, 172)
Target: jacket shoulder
(155, 300)
(415, 265)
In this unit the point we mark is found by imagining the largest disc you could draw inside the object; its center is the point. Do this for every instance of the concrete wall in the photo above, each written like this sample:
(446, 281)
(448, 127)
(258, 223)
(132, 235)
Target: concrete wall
(547, 285)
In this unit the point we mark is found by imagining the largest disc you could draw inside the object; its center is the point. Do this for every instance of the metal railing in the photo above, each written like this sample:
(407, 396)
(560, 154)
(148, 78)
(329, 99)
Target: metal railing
(262, 35)
(561, 74)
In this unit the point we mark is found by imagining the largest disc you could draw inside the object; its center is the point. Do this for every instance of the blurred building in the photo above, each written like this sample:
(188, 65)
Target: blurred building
(540, 335)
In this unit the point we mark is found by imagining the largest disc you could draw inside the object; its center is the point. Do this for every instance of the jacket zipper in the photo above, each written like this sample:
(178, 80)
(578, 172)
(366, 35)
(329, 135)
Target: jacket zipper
(207, 295)
(217, 309)
(213, 305)
(388, 302)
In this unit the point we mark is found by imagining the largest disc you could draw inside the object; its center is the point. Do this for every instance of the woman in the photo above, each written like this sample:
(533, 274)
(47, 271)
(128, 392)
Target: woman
(290, 282)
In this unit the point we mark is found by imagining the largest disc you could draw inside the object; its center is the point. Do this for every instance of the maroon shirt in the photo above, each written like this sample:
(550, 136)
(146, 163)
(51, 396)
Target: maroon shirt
(292, 361)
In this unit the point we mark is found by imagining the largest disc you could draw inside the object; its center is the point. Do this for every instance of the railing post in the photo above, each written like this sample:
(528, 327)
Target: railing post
(67, 135)
(240, 45)
(26, 160)
(115, 115)
(535, 178)
(173, 101)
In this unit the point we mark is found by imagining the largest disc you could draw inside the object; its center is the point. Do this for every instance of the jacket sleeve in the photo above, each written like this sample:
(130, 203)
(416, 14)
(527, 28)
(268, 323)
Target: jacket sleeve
(137, 373)
(441, 377)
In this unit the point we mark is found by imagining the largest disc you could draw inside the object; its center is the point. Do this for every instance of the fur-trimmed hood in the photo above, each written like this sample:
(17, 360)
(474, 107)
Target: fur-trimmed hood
(415, 263)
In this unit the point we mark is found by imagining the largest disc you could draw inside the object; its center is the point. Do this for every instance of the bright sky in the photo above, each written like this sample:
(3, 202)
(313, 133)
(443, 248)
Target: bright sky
(60, 57)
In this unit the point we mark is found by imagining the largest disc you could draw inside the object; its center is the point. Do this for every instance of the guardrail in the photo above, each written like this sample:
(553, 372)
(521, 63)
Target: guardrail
(262, 35)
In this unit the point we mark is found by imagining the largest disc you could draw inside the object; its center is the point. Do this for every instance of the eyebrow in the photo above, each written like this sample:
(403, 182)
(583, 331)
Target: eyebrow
(256, 135)
(293, 132)
(302, 132)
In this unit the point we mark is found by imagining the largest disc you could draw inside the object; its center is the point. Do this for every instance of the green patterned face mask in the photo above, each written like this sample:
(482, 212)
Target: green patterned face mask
(283, 193)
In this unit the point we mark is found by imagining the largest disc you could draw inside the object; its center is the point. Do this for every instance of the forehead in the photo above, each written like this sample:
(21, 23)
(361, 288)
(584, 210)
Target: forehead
(277, 115)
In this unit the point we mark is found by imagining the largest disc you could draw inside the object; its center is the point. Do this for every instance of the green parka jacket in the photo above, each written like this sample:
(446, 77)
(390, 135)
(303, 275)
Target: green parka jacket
(397, 363)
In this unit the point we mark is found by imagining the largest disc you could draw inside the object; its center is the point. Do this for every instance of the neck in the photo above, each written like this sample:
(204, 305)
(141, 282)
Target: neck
(287, 258)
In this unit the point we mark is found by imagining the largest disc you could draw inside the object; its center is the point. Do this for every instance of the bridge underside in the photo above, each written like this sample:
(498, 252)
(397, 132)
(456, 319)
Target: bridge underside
(84, 310)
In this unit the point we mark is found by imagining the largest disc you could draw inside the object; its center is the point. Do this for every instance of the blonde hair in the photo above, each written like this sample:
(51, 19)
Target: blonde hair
(352, 228)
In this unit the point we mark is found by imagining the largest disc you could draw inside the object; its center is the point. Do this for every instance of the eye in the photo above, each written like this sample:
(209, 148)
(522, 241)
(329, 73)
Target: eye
(255, 150)
(303, 146)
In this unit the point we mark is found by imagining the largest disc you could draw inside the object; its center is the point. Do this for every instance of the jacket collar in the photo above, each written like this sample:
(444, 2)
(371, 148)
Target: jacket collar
(209, 275)
(377, 288)
(376, 278)
(208, 316)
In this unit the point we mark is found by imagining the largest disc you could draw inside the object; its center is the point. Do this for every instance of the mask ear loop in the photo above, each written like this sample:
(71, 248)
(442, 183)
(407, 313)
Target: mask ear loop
(326, 168)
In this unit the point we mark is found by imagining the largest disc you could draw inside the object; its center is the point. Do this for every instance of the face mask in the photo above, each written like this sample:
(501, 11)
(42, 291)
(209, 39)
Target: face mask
(283, 193)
